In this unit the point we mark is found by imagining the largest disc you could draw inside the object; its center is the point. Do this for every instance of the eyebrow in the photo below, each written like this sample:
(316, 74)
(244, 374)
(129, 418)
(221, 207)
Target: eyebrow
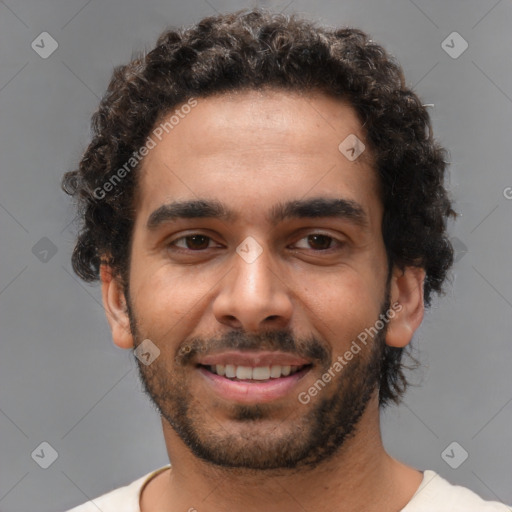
(319, 207)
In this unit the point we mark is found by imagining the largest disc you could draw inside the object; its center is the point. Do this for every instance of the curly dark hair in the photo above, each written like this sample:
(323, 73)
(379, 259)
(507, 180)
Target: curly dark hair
(258, 49)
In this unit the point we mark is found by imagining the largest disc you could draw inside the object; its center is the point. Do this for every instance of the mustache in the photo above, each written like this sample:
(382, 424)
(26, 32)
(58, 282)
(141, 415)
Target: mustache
(277, 340)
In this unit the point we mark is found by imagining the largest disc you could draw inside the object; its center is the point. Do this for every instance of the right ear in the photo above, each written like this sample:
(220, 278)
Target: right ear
(114, 303)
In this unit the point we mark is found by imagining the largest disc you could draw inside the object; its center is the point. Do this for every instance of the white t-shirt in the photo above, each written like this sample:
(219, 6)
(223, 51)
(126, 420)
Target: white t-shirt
(434, 494)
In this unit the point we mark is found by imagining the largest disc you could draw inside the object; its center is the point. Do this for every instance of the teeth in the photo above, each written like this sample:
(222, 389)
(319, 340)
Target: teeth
(285, 370)
(261, 373)
(244, 372)
(258, 373)
(275, 371)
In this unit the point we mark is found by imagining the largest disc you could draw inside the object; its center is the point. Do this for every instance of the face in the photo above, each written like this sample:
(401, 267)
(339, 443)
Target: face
(257, 259)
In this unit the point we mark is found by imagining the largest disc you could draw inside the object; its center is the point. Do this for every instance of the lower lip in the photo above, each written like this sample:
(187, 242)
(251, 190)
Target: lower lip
(252, 391)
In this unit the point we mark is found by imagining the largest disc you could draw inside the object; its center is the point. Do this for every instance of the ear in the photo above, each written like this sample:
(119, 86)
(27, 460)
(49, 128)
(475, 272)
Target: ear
(114, 303)
(406, 295)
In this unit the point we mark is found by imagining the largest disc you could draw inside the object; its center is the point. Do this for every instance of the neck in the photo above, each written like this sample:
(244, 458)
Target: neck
(360, 476)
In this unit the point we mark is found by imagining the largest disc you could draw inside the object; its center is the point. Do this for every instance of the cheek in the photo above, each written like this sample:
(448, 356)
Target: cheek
(341, 304)
(167, 301)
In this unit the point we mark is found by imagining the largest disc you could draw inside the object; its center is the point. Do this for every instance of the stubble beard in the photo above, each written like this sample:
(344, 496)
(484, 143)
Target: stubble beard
(256, 436)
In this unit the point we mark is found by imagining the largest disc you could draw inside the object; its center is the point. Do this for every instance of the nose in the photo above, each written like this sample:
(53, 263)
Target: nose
(253, 296)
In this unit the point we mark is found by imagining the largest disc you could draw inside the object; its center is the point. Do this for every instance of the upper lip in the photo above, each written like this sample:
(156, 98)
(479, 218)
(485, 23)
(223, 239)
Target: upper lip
(252, 359)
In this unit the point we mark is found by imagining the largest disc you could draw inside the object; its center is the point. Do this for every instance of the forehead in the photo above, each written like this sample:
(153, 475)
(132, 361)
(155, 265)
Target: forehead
(254, 149)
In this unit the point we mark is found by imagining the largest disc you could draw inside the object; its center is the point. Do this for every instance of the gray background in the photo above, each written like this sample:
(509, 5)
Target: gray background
(62, 379)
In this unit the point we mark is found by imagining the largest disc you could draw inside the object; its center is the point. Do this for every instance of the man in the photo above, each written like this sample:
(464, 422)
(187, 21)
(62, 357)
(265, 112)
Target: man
(263, 202)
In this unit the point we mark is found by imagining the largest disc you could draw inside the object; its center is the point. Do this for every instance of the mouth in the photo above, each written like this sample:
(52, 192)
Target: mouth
(253, 377)
(258, 373)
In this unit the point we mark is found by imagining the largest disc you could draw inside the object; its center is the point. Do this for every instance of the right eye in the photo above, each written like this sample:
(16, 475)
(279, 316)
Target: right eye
(194, 242)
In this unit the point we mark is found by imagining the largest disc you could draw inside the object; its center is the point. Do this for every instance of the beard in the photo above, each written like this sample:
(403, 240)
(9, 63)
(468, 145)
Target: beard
(264, 436)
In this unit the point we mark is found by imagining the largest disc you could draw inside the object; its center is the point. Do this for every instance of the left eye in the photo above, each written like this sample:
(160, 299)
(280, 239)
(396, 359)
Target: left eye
(321, 241)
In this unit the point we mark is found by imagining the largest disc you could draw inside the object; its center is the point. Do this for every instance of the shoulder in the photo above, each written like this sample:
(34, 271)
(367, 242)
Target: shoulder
(122, 499)
(436, 493)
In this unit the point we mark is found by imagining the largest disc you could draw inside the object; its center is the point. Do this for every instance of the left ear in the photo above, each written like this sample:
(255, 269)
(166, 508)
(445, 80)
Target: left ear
(406, 294)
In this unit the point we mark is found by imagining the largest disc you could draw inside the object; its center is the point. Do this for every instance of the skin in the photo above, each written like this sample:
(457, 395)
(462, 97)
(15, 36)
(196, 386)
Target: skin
(250, 151)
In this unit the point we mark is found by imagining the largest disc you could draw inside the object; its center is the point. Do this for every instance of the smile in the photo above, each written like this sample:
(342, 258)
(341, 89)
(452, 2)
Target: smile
(253, 377)
(259, 373)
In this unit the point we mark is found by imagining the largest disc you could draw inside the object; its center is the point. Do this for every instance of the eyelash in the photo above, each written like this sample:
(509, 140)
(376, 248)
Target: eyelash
(172, 243)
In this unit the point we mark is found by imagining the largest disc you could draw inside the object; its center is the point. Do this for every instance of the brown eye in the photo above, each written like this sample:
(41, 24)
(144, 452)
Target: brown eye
(197, 242)
(320, 242)
(192, 242)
